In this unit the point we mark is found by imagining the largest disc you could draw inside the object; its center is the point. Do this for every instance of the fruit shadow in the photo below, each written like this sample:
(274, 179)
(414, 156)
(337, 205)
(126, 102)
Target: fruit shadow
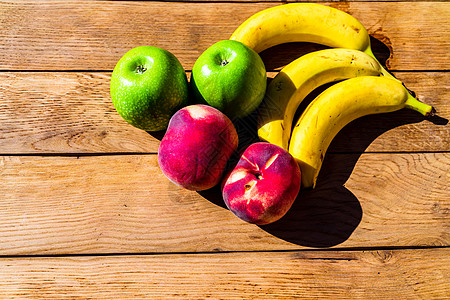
(157, 134)
(279, 56)
(325, 216)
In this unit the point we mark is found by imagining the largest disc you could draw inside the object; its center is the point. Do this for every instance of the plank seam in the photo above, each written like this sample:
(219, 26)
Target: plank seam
(155, 153)
(187, 70)
(349, 249)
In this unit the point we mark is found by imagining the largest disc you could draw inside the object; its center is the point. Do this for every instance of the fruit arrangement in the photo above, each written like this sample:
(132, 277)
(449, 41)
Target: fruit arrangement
(150, 90)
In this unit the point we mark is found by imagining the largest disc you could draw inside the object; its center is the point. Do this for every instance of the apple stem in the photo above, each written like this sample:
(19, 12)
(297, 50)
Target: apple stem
(224, 63)
(141, 69)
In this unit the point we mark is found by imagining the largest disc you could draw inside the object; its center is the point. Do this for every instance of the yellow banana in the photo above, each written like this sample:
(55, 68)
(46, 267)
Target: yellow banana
(337, 106)
(304, 22)
(295, 81)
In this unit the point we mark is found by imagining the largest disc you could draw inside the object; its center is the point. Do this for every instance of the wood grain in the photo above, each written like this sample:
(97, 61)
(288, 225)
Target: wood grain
(124, 204)
(381, 274)
(85, 212)
(93, 35)
(72, 112)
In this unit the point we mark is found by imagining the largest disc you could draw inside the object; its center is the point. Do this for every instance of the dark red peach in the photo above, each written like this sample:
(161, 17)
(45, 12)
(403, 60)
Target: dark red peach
(263, 185)
(196, 147)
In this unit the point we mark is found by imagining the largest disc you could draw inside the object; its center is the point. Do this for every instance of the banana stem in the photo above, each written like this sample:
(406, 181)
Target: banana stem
(415, 104)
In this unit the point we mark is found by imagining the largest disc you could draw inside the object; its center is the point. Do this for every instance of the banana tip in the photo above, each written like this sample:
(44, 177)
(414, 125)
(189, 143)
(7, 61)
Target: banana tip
(432, 113)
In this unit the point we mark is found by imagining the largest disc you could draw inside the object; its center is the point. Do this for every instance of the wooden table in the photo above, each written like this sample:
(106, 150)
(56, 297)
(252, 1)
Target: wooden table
(86, 213)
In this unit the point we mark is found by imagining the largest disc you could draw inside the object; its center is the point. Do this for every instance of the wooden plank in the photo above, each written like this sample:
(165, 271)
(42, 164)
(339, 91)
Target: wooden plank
(124, 204)
(71, 112)
(64, 113)
(381, 274)
(93, 35)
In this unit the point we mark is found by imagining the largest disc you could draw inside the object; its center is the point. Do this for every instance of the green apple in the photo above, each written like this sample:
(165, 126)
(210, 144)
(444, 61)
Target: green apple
(148, 85)
(230, 77)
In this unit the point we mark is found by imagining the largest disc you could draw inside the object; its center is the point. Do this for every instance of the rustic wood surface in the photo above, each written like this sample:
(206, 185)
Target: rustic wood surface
(374, 274)
(123, 203)
(85, 212)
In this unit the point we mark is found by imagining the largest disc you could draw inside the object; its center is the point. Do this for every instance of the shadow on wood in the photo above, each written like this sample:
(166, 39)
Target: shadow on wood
(157, 134)
(437, 120)
(276, 57)
(357, 136)
(325, 216)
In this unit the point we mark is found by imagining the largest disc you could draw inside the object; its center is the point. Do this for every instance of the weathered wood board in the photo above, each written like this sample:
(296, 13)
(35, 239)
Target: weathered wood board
(65, 112)
(93, 35)
(115, 204)
(387, 274)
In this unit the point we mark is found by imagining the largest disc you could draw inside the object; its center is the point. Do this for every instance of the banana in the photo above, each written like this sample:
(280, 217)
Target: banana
(337, 106)
(304, 22)
(300, 77)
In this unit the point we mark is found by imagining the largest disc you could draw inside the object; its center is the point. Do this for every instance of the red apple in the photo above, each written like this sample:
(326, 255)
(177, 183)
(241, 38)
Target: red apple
(196, 147)
(263, 185)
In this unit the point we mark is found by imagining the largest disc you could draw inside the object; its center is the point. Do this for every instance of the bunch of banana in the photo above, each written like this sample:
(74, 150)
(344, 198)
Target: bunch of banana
(367, 88)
